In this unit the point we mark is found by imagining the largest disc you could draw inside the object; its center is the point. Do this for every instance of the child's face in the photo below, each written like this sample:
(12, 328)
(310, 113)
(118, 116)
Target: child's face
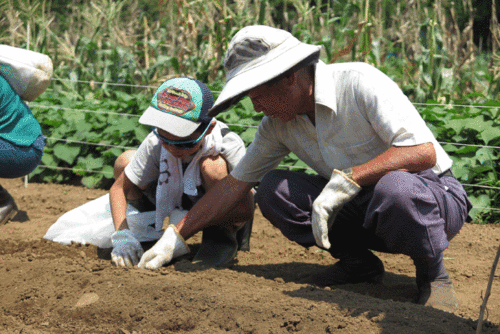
(177, 152)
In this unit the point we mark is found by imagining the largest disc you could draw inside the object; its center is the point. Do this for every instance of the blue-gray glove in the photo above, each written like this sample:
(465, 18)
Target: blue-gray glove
(127, 249)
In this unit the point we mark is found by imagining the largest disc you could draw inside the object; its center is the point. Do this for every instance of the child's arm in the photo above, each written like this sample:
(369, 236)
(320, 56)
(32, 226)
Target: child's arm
(120, 191)
(127, 250)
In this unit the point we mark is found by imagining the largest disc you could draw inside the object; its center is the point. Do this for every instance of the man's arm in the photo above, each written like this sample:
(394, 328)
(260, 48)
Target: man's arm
(409, 158)
(341, 188)
(214, 205)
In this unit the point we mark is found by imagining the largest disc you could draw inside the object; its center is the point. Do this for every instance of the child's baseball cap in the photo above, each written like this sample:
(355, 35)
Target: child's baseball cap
(179, 106)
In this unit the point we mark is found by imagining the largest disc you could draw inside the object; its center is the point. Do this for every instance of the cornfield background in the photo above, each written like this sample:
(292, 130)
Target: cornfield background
(109, 56)
(141, 42)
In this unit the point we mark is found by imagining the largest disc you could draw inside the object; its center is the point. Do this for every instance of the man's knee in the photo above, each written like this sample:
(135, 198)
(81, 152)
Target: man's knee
(404, 214)
(394, 190)
(269, 188)
(122, 161)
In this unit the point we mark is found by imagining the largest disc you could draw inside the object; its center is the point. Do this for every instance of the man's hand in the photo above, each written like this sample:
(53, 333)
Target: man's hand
(170, 246)
(127, 249)
(337, 192)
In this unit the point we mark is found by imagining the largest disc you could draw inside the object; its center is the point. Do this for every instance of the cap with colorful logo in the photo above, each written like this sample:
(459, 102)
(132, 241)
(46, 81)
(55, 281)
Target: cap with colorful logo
(179, 106)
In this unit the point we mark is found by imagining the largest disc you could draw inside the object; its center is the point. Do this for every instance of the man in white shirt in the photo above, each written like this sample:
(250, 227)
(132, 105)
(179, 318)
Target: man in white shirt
(383, 183)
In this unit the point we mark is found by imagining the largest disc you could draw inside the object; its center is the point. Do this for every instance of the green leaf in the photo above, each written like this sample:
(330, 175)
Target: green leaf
(128, 124)
(479, 203)
(108, 172)
(485, 154)
(461, 168)
(229, 117)
(248, 135)
(82, 128)
(248, 105)
(479, 124)
(113, 152)
(301, 163)
(48, 159)
(457, 125)
(66, 152)
(450, 148)
(489, 134)
(123, 96)
(466, 150)
(141, 132)
(92, 181)
(92, 163)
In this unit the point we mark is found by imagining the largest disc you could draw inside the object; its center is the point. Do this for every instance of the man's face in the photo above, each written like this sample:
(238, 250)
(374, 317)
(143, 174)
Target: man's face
(276, 101)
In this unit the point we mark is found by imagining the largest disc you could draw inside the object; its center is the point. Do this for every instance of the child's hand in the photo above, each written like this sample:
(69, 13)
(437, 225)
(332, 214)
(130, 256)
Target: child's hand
(127, 249)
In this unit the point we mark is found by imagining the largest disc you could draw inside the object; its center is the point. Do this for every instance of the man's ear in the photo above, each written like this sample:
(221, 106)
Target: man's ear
(211, 126)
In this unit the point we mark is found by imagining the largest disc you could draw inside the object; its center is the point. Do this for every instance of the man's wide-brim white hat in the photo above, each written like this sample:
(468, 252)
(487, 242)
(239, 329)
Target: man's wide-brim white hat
(256, 55)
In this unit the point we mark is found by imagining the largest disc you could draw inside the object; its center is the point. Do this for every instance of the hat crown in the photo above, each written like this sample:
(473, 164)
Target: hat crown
(184, 97)
(252, 43)
(179, 106)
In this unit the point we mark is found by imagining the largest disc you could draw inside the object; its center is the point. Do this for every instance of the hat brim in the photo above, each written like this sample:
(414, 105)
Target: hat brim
(241, 83)
(174, 125)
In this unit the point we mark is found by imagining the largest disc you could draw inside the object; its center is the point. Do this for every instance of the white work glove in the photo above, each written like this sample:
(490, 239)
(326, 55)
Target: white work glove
(337, 192)
(170, 246)
(127, 249)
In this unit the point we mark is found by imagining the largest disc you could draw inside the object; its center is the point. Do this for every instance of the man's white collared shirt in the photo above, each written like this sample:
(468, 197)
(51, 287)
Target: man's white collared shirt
(360, 113)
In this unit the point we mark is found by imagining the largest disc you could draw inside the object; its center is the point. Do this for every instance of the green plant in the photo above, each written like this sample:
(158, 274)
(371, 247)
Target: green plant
(102, 122)
(471, 136)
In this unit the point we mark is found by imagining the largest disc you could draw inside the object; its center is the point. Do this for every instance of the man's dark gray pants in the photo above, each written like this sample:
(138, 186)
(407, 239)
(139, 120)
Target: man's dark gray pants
(415, 214)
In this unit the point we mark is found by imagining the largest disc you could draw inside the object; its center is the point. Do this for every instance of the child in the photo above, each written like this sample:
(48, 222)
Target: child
(179, 161)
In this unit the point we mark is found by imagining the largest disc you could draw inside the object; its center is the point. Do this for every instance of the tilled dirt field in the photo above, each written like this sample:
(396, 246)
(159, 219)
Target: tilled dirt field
(51, 288)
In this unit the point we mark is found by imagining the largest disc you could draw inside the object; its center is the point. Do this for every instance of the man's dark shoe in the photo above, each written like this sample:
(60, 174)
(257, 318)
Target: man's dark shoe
(8, 208)
(350, 268)
(438, 294)
(435, 288)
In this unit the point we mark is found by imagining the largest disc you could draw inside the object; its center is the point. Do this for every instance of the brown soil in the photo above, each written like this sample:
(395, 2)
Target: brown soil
(51, 288)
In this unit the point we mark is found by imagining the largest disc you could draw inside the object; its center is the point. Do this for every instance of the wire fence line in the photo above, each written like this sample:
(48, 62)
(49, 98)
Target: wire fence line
(111, 173)
(92, 144)
(218, 92)
(83, 110)
(229, 124)
(456, 105)
(103, 83)
(31, 104)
